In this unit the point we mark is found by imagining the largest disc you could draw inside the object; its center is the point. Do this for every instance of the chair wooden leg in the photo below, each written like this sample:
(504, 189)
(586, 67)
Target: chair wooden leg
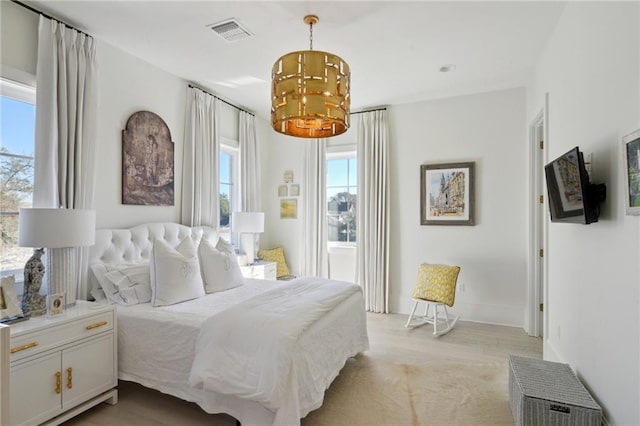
(415, 305)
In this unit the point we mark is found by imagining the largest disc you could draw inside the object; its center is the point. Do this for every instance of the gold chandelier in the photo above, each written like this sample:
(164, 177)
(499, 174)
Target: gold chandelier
(310, 92)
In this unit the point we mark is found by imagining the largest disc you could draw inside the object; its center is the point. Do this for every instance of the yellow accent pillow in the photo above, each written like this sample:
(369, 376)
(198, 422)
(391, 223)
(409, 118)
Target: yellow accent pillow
(437, 283)
(275, 255)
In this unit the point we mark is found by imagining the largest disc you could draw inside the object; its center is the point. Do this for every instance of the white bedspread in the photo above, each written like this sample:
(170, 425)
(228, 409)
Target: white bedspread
(259, 364)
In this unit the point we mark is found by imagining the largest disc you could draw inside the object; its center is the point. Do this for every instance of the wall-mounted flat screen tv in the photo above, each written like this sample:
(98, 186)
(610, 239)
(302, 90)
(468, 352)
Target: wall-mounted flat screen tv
(572, 197)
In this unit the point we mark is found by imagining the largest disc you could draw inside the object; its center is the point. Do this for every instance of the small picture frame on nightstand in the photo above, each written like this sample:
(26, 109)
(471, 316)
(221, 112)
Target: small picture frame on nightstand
(55, 304)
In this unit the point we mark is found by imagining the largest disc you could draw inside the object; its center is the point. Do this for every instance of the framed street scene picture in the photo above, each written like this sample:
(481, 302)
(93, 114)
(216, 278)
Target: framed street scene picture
(447, 194)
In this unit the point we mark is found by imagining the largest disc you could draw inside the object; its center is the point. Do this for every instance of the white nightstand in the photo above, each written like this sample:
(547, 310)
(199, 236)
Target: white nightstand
(64, 365)
(261, 269)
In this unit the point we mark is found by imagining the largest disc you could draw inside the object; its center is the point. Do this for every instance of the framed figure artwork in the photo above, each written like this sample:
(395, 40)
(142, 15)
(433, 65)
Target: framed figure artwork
(147, 161)
(631, 157)
(447, 194)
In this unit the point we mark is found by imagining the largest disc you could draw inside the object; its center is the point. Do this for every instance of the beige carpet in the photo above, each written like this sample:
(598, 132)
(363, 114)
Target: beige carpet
(372, 391)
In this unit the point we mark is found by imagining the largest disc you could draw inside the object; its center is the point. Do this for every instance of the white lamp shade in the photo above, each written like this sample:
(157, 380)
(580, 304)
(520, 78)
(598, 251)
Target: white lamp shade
(247, 222)
(56, 228)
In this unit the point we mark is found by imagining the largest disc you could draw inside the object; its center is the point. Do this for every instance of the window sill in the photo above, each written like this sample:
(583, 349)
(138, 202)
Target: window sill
(341, 248)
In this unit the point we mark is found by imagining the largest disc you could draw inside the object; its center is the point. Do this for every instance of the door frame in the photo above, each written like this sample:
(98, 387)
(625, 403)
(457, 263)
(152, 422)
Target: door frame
(535, 322)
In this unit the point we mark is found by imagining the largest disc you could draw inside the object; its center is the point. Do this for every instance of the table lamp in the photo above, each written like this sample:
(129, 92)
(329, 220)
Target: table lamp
(247, 224)
(61, 231)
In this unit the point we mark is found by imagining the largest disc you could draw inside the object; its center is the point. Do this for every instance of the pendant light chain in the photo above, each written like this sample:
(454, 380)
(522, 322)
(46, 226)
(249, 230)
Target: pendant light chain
(311, 36)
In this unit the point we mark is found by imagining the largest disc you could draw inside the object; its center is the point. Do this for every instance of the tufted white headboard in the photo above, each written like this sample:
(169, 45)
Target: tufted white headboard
(135, 244)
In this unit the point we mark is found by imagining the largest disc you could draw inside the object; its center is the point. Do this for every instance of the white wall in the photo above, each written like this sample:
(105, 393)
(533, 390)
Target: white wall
(590, 69)
(128, 84)
(489, 129)
(282, 153)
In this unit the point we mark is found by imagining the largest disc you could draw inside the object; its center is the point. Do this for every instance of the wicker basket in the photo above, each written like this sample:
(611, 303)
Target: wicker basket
(544, 393)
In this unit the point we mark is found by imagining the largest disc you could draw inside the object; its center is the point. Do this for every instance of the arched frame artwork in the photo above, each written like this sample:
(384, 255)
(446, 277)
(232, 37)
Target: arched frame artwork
(147, 161)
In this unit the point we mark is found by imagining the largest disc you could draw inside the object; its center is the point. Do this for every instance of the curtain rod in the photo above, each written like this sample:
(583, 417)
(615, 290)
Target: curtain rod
(26, 6)
(369, 110)
(222, 100)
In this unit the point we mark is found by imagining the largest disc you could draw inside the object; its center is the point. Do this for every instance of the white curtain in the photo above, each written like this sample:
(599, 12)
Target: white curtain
(65, 133)
(200, 178)
(373, 210)
(250, 190)
(314, 236)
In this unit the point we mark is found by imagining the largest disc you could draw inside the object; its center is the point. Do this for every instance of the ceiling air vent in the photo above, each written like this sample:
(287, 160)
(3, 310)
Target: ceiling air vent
(230, 30)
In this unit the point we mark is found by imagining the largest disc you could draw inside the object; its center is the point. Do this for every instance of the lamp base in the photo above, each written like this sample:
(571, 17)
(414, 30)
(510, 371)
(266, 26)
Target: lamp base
(34, 303)
(63, 273)
(247, 245)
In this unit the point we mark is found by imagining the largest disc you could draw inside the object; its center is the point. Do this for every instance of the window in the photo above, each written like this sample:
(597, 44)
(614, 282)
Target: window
(342, 174)
(228, 187)
(17, 127)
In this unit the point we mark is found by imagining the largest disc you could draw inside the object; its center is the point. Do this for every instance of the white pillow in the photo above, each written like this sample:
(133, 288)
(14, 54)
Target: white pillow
(108, 291)
(220, 268)
(9, 306)
(175, 273)
(132, 283)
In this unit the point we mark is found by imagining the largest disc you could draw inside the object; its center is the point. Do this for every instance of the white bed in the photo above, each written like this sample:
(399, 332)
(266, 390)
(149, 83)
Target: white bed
(157, 345)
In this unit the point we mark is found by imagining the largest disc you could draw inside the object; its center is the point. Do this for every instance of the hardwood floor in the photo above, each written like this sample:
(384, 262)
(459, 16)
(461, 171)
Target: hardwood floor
(390, 342)
(467, 342)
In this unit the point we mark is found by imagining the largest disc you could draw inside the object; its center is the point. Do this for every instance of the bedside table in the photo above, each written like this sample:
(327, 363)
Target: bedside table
(63, 365)
(261, 270)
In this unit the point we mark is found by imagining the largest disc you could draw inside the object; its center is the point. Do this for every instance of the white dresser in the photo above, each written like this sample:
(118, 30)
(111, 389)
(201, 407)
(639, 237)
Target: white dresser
(64, 365)
(262, 270)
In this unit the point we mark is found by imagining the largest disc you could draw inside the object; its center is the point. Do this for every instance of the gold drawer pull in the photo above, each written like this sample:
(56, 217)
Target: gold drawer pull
(96, 325)
(58, 382)
(69, 378)
(23, 347)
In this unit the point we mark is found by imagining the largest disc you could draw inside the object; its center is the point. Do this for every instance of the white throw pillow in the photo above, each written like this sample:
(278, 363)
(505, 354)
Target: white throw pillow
(108, 290)
(220, 267)
(175, 273)
(133, 284)
(9, 306)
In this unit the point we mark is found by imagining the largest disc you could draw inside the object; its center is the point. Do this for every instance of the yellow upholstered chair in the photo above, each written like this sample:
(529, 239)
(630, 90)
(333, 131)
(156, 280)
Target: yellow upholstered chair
(436, 287)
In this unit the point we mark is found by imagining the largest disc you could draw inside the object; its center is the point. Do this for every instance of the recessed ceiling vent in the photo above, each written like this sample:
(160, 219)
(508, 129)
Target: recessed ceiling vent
(230, 30)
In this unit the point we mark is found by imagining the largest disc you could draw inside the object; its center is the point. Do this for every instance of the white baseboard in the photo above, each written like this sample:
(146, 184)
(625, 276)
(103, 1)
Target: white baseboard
(477, 312)
(549, 353)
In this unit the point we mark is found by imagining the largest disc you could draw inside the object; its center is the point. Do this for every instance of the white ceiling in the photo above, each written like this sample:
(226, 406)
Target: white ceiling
(394, 49)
